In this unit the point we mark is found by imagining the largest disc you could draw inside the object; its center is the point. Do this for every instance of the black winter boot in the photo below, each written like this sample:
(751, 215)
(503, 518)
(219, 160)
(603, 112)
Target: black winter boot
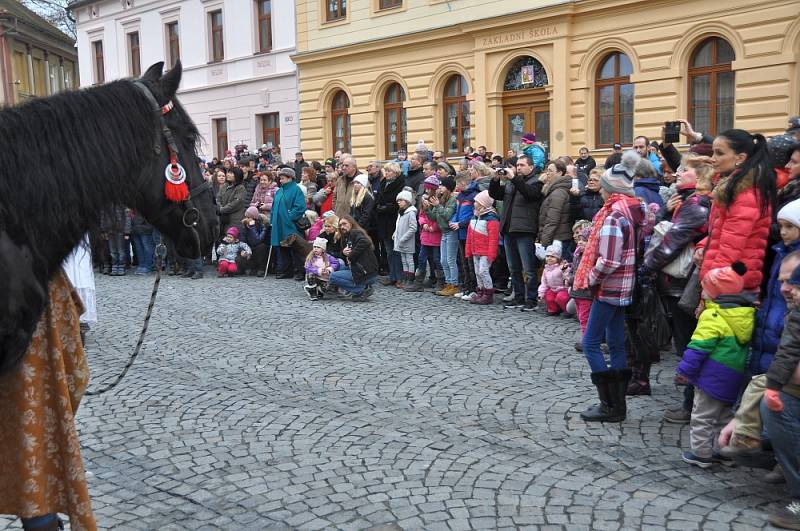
(618, 388)
(417, 283)
(604, 411)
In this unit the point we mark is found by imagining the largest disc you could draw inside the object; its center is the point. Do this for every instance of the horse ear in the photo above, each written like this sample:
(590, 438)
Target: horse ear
(172, 79)
(154, 72)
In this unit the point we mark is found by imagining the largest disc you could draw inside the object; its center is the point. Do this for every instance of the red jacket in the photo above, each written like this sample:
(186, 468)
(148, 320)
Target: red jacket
(738, 232)
(483, 236)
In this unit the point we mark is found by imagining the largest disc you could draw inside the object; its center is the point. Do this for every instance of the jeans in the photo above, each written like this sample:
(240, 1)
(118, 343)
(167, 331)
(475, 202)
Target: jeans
(429, 254)
(448, 254)
(521, 255)
(117, 248)
(344, 280)
(784, 431)
(395, 263)
(609, 320)
(145, 248)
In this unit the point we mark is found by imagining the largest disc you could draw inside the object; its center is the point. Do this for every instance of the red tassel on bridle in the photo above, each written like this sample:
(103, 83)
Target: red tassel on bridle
(175, 188)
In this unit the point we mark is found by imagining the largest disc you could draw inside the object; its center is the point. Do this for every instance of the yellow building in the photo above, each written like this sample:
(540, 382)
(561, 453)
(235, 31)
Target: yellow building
(378, 74)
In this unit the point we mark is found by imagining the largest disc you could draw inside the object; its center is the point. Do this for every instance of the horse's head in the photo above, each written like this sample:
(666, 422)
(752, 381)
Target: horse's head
(191, 224)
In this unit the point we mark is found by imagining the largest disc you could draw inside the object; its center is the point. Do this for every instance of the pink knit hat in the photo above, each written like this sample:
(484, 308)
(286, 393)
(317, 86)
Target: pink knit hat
(724, 280)
(484, 199)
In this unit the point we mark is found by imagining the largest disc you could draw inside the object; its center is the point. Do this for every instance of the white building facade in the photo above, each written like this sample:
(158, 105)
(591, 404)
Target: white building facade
(239, 84)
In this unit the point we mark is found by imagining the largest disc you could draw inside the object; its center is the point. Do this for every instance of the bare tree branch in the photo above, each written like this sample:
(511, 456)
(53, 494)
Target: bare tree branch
(55, 12)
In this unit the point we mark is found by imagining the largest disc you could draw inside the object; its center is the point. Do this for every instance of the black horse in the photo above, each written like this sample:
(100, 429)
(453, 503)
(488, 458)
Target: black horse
(66, 159)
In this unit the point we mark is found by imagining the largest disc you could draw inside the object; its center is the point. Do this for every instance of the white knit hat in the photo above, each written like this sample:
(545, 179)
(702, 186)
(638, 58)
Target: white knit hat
(406, 196)
(322, 243)
(791, 213)
(362, 180)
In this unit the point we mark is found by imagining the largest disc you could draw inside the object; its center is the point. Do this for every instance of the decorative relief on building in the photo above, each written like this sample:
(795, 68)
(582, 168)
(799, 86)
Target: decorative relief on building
(525, 73)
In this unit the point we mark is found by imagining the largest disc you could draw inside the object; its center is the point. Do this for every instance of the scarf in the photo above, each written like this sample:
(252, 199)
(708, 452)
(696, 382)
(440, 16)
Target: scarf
(592, 247)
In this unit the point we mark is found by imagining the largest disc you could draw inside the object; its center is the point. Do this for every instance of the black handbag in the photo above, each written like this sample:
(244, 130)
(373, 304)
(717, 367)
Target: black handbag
(690, 298)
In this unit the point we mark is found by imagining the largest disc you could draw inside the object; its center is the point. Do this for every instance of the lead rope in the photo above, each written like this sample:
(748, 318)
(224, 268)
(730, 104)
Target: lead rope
(161, 253)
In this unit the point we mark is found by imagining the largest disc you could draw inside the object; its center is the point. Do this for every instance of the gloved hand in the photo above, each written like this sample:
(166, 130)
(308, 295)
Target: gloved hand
(773, 398)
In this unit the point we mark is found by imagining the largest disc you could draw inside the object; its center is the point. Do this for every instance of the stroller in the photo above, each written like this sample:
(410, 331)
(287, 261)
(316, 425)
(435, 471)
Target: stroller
(315, 287)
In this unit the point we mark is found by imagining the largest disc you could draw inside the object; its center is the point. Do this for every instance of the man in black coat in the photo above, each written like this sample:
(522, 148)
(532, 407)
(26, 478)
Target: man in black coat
(522, 197)
(415, 176)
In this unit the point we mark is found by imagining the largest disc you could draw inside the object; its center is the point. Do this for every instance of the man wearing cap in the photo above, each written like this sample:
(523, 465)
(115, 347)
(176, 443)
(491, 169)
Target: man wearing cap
(288, 207)
(344, 187)
(522, 197)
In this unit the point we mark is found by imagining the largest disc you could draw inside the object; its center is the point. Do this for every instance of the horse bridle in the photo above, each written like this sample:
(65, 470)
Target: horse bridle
(191, 214)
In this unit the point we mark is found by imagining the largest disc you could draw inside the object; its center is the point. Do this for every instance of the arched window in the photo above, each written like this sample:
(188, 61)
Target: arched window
(614, 100)
(526, 73)
(341, 122)
(711, 86)
(394, 120)
(456, 115)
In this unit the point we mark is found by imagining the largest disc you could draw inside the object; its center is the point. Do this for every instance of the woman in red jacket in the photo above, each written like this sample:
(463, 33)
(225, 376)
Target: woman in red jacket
(741, 214)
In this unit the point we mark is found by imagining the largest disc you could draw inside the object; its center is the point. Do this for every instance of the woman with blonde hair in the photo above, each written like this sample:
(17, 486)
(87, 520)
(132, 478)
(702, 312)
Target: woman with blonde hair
(361, 201)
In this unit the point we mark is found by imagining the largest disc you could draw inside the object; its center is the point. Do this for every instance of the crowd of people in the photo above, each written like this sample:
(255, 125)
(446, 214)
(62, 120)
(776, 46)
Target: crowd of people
(653, 251)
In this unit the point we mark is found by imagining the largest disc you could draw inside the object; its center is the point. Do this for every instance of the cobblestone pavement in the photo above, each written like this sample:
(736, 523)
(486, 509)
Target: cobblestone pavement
(253, 408)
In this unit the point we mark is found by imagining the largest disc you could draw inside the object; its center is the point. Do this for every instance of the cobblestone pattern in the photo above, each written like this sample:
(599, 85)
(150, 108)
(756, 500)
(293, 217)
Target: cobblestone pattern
(252, 407)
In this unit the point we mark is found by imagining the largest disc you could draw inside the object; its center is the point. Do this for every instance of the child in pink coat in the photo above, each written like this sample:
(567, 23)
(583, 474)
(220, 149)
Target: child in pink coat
(551, 288)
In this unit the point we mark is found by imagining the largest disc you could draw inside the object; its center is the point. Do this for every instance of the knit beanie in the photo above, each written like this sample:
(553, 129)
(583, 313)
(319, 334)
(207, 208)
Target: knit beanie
(432, 182)
(791, 213)
(619, 178)
(529, 138)
(553, 250)
(233, 231)
(322, 243)
(724, 280)
(330, 162)
(251, 212)
(449, 183)
(362, 180)
(484, 199)
(406, 196)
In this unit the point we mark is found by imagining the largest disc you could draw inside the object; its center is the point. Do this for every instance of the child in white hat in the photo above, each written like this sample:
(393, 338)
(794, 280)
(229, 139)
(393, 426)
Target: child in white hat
(319, 266)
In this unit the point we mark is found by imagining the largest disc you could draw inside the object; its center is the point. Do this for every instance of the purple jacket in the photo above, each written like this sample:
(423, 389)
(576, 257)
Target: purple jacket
(312, 269)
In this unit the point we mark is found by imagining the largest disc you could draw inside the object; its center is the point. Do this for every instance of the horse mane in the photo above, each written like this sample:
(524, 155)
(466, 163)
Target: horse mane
(68, 157)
